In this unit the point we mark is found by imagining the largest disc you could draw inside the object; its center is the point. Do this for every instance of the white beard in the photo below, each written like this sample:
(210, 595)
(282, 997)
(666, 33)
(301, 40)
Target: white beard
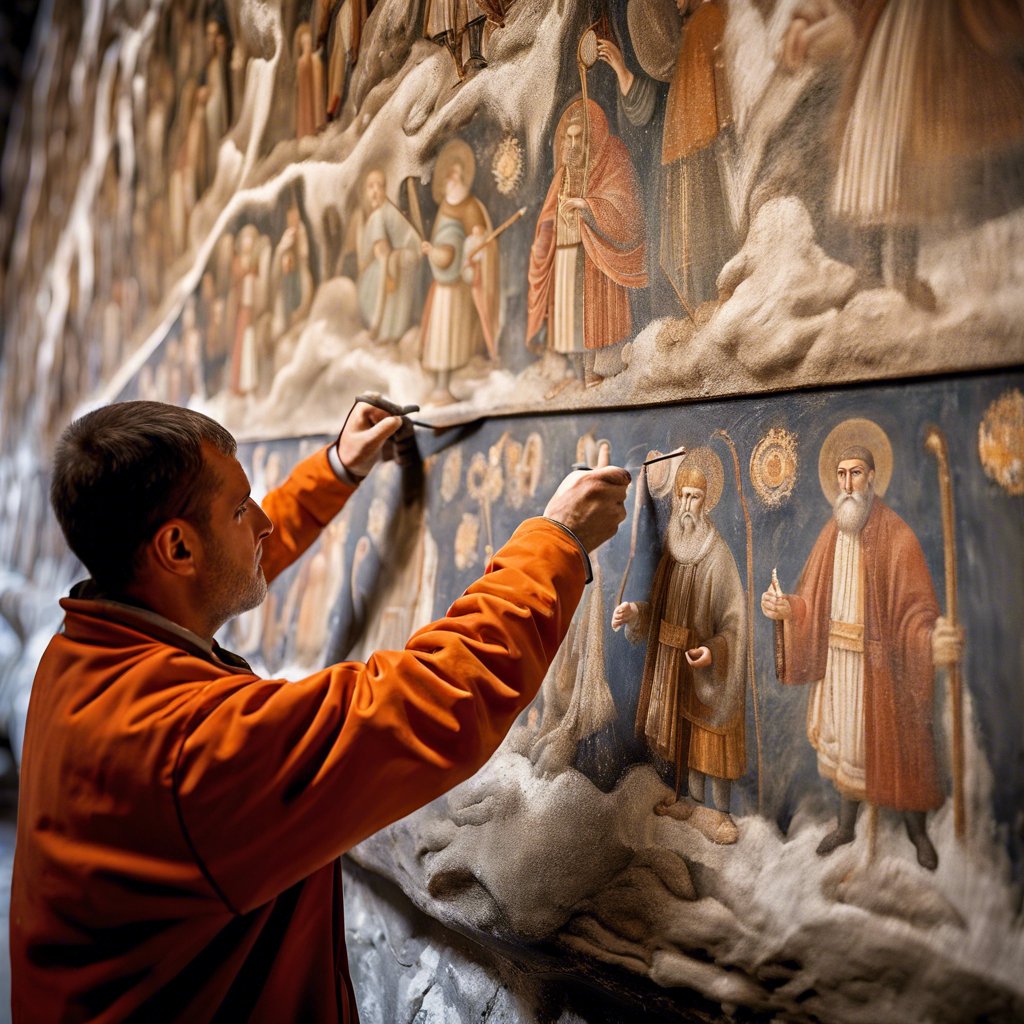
(851, 511)
(687, 538)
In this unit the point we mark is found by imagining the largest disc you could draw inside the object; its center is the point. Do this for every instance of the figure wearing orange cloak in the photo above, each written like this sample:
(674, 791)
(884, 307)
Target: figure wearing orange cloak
(584, 261)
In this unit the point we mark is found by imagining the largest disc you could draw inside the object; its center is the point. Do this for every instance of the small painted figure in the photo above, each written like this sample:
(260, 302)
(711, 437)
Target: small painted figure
(693, 696)
(588, 248)
(863, 627)
(462, 307)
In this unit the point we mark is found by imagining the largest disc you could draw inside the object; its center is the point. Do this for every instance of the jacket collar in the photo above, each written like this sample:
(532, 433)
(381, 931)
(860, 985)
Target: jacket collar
(86, 598)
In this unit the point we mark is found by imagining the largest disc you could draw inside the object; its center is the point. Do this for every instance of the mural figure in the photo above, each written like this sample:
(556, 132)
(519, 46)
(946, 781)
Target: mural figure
(462, 27)
(863, 627)
(462, 307)
(346, 32)
(250, 272)
(216, 79)
(389, 262)
(693, 696)
(697, 236)
(578, 701)
(588, 248)
(290, 274)
(309, 78)
(932, 104)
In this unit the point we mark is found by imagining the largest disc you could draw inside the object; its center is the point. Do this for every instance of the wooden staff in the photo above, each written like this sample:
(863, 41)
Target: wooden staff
(935, 442)
(750, 608)
(503, 226)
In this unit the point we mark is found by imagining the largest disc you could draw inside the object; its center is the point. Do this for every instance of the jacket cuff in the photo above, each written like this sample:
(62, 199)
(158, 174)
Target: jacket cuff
(341, 471)
(588, 569)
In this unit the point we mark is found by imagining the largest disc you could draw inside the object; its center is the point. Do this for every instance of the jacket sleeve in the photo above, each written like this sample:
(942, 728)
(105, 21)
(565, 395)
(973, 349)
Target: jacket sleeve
(275, 779)
(299, 509)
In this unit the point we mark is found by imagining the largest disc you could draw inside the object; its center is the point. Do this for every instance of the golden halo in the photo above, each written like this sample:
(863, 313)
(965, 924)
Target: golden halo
(863, 432)
(661, 477)
(453, 151)
(773, 466)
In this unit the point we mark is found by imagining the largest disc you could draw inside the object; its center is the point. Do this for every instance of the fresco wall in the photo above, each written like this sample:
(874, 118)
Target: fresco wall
(746, 236)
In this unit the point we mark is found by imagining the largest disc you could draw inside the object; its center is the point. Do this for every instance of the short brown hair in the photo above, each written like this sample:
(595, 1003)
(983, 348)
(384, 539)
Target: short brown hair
(122, 471)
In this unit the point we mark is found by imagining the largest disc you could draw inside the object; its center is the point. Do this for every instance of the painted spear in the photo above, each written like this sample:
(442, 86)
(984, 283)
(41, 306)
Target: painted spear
(935, 442)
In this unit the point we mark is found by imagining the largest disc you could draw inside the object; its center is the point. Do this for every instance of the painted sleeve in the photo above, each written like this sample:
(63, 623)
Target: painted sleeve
(276, 779)
(299, 509)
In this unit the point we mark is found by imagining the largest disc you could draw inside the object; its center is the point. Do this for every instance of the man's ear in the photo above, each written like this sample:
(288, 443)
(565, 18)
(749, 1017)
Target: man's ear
(173, 548)
(871, 478)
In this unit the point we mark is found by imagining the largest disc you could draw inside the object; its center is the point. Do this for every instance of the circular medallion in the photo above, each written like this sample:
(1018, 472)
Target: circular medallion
(1001, 441)
(773, 466)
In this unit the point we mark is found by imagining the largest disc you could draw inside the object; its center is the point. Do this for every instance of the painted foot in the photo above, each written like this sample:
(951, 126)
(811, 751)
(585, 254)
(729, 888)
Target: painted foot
(678, 809)
(592, 380)
(441, 396)
(716, 826)
(920, 294)
(558, 387)
(927, 856)
(836, 838)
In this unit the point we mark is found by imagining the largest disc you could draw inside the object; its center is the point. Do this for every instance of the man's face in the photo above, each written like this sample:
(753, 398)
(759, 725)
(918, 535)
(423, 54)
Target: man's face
(375, 189)
(691, 506)
(232, 542)
(854, 476)
(853, 502)
(455, 184)
(574, 145)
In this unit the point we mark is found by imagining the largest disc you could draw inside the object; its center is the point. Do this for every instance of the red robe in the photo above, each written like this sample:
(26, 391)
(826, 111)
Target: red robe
(900, 610)
(614, 250)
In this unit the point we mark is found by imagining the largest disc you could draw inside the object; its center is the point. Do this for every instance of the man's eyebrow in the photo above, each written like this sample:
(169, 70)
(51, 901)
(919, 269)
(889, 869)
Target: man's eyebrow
(243, 500)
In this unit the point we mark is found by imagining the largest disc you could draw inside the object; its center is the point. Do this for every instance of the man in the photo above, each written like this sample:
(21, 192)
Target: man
(389, 261)
(180, 819)
(698, 235)
(864, 628)
(692, 699)
(588, 248)
(462, 308)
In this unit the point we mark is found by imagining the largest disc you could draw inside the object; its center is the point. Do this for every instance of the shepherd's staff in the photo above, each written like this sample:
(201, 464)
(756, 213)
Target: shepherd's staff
(750, 605)
(935, 442)
(503, 226)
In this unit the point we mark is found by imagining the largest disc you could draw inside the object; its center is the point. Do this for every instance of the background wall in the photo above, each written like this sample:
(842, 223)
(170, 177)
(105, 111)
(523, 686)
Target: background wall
(787, 226)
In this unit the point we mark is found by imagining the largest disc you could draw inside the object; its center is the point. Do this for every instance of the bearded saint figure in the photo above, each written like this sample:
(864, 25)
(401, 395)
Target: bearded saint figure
(588, 248)
(692, 699)
(462, 307)
(863, 627)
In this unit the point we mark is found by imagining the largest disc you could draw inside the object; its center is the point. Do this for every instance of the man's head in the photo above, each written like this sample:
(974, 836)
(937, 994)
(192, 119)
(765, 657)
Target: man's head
(374, 188)
(152, 500)
(691, 487)
(455, 190)
(855, 473)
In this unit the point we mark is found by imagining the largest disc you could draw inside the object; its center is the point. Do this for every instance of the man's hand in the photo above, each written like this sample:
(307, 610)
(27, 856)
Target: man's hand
(367, 429)
(624, 614)
(776, 606)
(591, 502)
(947, 642)
(699, 657)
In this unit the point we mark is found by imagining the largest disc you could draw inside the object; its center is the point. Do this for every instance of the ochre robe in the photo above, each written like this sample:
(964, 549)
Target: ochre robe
(693, 604)
(611, 233)
(900, 610)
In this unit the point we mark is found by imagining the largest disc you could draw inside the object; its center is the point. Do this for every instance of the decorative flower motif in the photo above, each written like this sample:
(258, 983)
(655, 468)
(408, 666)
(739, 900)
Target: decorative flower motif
(507, 166)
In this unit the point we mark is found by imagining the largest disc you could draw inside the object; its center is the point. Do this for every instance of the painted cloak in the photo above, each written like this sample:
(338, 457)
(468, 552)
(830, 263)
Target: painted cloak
(900, 609)
(612, 233)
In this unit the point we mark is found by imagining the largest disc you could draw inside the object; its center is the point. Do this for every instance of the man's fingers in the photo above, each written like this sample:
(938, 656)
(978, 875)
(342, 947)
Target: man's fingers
(604, 455)
(383, 429)
(614, 475)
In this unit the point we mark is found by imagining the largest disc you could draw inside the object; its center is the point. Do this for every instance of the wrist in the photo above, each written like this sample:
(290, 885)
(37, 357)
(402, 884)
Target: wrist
(588, 569)
(341, 471)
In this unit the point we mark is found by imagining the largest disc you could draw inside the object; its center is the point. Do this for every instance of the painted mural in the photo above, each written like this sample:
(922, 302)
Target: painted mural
(767, 254)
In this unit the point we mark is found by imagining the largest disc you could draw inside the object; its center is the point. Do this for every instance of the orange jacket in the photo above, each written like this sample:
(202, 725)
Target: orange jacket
(181, 819)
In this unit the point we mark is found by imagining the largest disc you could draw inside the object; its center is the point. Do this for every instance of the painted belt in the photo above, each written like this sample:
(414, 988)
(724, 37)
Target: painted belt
(673, 635)
(847, 636)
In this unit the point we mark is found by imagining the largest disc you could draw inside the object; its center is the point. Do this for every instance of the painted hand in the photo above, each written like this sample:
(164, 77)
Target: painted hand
(699, 657)
(776, 606)
(947, 642)
(366, 431)
(624, 614)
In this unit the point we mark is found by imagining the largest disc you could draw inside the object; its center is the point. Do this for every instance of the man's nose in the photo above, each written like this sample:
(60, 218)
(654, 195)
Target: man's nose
(266, 526)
